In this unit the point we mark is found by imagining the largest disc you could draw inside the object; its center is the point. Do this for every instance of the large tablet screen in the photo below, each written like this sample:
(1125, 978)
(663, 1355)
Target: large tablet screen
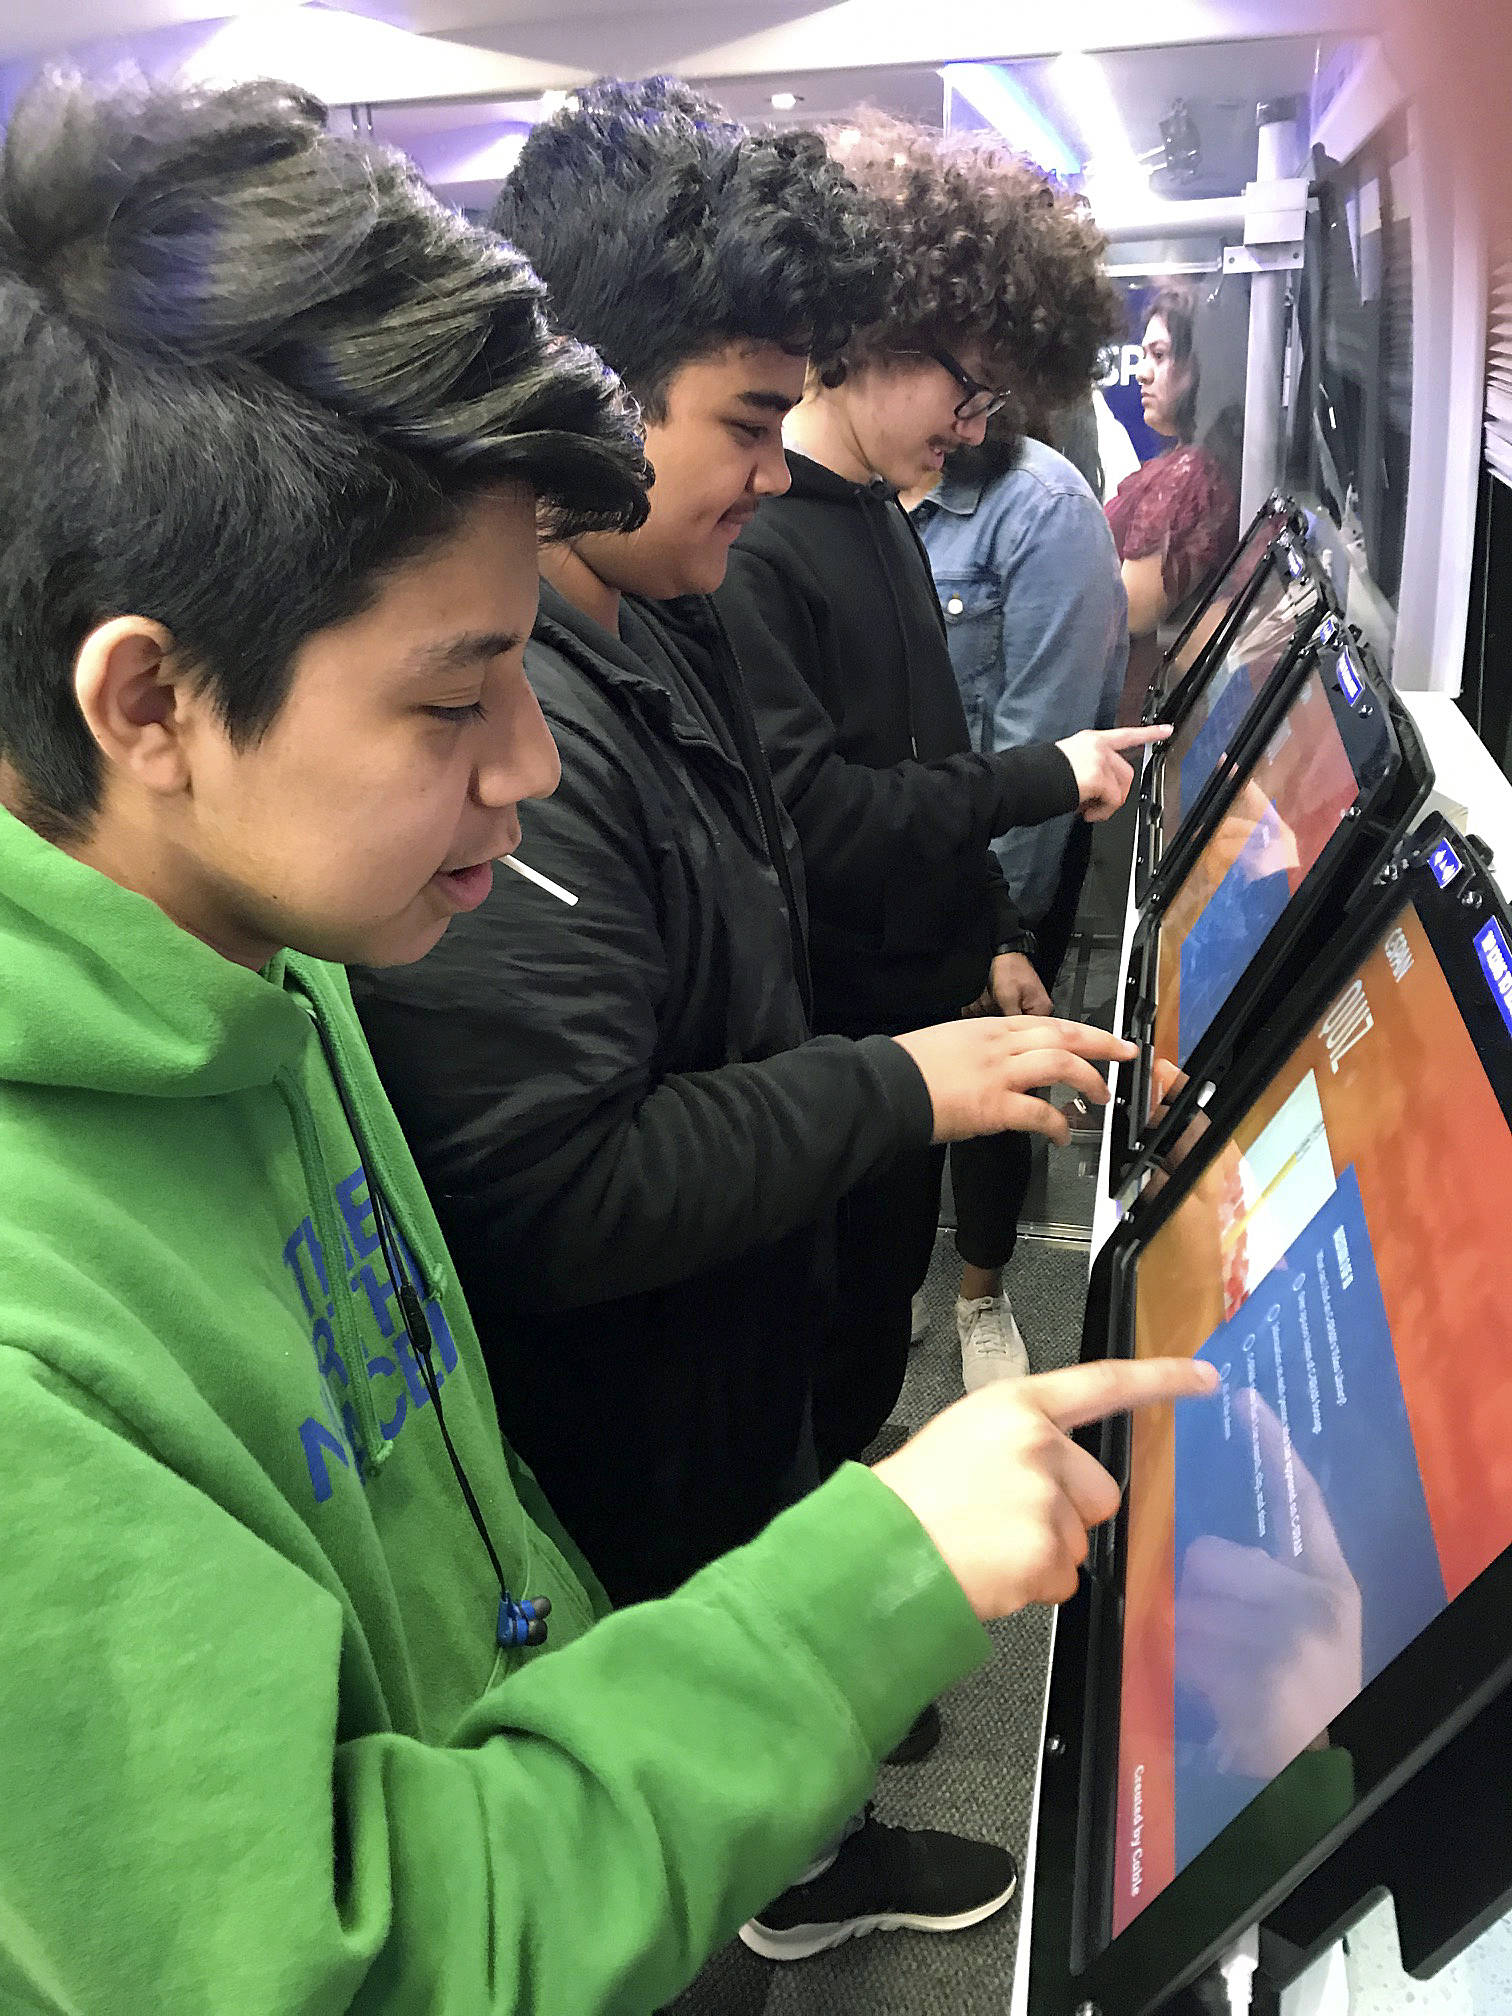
(1283, 815)
(1342, 1262)
(1225, 591)
(1206, 731)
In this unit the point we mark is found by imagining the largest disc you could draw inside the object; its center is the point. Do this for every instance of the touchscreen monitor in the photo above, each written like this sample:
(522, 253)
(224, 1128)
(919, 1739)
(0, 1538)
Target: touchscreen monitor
(1341, 1260)
(1225, 591)
(1288, 807)
(1276, 620)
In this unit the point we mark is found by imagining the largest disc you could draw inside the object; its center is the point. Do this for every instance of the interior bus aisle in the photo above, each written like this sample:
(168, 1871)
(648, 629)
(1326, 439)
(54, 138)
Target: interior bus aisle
(980, 1780)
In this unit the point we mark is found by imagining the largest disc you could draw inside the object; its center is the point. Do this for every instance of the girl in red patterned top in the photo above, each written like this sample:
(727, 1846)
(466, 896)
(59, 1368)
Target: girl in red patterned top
(1176, 518)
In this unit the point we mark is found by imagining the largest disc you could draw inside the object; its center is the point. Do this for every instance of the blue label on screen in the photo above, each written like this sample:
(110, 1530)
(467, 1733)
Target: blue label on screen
(1351, 685)
(1496, 963)
(1445, 863)
(1305, 1555)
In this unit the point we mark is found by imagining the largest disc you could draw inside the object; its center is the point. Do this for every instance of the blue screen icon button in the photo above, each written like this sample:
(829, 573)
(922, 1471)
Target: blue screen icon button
(1445, 864)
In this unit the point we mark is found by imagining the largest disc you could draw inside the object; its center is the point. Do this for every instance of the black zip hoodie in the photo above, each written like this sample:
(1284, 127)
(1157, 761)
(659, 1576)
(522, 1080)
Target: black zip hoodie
(630, 1140)
(832, 610)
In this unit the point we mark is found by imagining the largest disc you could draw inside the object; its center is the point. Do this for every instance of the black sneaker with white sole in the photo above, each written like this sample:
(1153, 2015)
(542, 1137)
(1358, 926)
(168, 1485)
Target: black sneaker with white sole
(886, 1879)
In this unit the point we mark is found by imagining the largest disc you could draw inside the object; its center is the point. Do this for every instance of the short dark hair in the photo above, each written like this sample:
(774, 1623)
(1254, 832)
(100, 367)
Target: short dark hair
(1177, 309)
(984, 249)
(664, 231)
(245, 367)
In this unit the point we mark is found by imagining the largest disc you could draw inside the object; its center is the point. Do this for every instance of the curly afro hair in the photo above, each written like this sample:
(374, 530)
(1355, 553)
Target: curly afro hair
(663, 231)
(985, 250)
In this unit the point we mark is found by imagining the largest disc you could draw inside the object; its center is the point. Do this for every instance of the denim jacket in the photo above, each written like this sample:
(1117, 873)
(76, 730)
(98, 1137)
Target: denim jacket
(1038, 623)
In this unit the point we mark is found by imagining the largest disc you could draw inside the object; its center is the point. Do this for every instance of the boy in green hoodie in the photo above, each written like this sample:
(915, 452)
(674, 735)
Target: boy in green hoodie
(278, 1730)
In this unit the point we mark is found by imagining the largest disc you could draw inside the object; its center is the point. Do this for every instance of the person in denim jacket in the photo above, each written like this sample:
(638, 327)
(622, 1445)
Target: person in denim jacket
(1037, 619)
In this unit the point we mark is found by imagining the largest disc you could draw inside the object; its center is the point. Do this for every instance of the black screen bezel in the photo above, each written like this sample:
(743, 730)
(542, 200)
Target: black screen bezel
(1161, 864)
(1396, 1724)
(1393, 779)
(1164, 700)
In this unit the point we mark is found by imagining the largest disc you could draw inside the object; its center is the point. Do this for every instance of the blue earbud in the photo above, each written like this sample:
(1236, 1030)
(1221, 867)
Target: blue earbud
(523, 1623)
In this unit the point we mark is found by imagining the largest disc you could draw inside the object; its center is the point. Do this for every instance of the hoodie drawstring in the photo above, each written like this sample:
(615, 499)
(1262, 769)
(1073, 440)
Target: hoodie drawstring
(518, 1622)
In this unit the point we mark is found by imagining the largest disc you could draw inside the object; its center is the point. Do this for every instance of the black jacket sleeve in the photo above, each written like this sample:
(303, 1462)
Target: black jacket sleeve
(856, 822)
(523, 1056)
(1007, 921)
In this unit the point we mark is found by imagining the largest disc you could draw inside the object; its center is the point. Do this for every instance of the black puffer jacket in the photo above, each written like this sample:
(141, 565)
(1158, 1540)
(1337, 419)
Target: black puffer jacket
(831, 607)
(632, 1145)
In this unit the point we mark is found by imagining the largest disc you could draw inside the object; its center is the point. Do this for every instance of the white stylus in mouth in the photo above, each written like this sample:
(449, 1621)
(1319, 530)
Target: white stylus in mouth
(534, 875)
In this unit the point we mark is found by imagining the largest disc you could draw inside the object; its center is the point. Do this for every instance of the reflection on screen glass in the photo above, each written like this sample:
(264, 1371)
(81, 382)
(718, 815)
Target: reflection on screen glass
(1224, 594)
(1208, 728)
(1355, 1473)
(1282, 817)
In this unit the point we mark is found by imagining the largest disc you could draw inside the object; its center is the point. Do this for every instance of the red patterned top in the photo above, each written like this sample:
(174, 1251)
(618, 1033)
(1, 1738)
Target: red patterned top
(1182, 506)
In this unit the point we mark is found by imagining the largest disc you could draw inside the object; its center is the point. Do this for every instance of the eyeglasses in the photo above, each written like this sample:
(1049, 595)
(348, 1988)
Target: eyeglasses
(981, 401)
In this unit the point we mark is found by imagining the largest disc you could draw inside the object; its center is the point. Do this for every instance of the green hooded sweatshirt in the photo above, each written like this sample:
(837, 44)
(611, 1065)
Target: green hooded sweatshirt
(262, 1750)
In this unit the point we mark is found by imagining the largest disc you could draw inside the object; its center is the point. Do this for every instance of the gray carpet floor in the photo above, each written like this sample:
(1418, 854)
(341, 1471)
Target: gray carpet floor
(980, 1779)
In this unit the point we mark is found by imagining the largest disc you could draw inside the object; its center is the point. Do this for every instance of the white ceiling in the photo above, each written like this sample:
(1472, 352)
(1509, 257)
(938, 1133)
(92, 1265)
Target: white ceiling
(824, 95)
(1220, 85)
(718, 37)
(30, 26)
(476, 68)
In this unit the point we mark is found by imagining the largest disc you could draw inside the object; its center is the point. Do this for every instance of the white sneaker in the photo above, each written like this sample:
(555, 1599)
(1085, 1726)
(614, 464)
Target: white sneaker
(919, 1326)
(991, 1347)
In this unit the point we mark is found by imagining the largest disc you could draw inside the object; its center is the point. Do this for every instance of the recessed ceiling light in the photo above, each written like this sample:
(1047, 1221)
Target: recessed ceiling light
(784, 101)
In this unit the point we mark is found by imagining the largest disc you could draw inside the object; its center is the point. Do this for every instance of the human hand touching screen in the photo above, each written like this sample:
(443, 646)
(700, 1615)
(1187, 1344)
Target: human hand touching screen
(1271, 1637)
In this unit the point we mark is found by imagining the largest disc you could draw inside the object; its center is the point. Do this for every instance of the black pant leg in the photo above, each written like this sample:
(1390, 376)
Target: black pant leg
(1059, 925)
(989, 1177)
(885, 1236)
